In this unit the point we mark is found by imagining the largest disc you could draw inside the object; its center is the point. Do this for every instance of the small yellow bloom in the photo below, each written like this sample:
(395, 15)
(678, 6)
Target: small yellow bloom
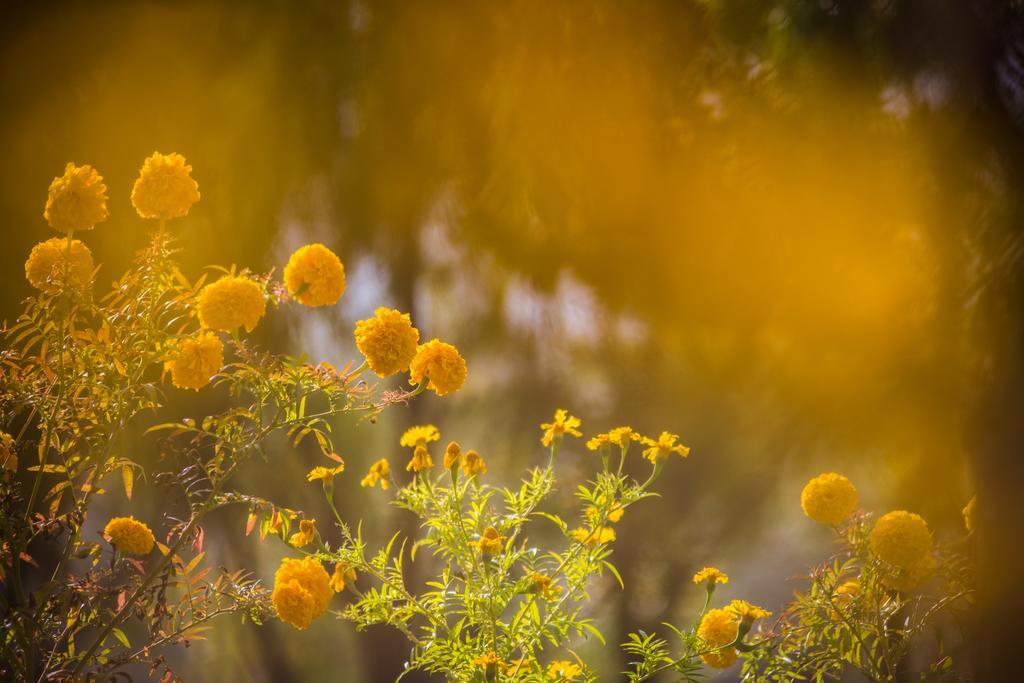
(563, 424)
(8, 452)
(829, 498)
(130, 535)
(388, 341)
(614, 515)
(452, 455)
(620, 436)
(419, 436)
(664, 446)
(379, 472)
(594, 537)
(969, 514)
(844, 597)
(747, 612)
(906, 579)
(441, 364)
(77, 200)
(343, 573)
(198, 359)
(315, 276)
(490, 543)
(302, 590)
(489, 662)
(165, 187)
(473, 464)
(543, 585)
(901, 539)
(562, 670)
(324, 474)
(231, 302)
(420, 460)
(48, 261)
(717, 629)
(305, 535)
(712, 575)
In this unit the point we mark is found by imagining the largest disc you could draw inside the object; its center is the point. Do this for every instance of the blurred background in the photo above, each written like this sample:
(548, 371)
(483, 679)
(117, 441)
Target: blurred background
(789, 231)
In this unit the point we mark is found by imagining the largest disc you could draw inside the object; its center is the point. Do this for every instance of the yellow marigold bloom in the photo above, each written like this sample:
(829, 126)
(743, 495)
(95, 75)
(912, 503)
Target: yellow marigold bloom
(563, 424)
(324, 474)
(614, 515)
(712, 575)
(343, 573)
(900, 538)
(77, 200)
(562, 670)
(663, 447)
(419, 436)
(490, 543)
(593, 537)
(440, 363)
(420, 460)
(543, 585)
(130, 535)
(747, 612)
(305, 535)
(164, 188)
(717, 629)
(843, 597)
(8, 452)
(489, 661)
(379, 472)
(829, 498)
(388, 341)
(302, 590)
(198, 359)
(315, 276)
(969, 514)
(46, 265)
(473, 464)
(620, 436)
(230, 302)
(452, 455)
(906, 579)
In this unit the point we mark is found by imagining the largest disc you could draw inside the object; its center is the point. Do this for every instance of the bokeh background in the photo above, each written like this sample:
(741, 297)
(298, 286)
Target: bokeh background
(789, 231)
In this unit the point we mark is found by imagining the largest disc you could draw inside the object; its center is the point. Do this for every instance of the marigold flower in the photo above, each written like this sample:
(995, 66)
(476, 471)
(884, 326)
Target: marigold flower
(8, 452)
(388, 341)
(829, 498)
(593, 537)
(906, 579)
(968, 513)
(441, 364)
(717, 629)
(563, 424)
(77, 200)
(302, 590)
(614, 515)
(747, 612)
(562, 670)
(420, 460)
(489, 661)
(473, 464)
(712, 575)
(315, 276)
(343, 573)
(324, 474)
(230, 302)
(490, 543)
(420, 435)
(843, 597)
(165, 187)
(620, 436)
(130, 535)
(47, 262)
(543, 585)
(305, 535)
(452, 455)
(379, 472)
(901, 539)
(198, 359)
(664, 446)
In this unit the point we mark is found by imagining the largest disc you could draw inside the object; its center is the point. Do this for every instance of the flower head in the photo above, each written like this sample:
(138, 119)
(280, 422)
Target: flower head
(900, 538)
(593, 537)
(343, 573)
(562, 670)
(8, 452)
(441, 364)
(620, 436)
(420, 460)
(747, 612)
(664, 446)
(302, 590)
(164, 188)
(420, 435)
(488, 661)
(473, 464)
(315, 276)
(77, 200)
(325, 474)
(562, 424)
(844, 597)
(908, 578)
(712, 575)
(490, 543)
(130, 535)
(198, 359)
(379, 472)
(231, 302)
(305, 535)
(387, 340)
(452, 455)
(717, 629)
(968, 513)
(543, 585)
(48, 261)
(829, 498)
(614, 513)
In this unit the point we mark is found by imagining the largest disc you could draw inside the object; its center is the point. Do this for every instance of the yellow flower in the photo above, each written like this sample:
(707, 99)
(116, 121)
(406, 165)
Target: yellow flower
(712, 575)
(305, 535)
(843, 597)
(747, 612)
(230, 302)
(969, 514)
(901, 539)
(663, 447)
(906, 579)
(314, 276)
(829, 498)
(388, 341)
(164, 188)
(490, 543)
(343, 573)
(452, 455)
(718, 628)
(129, 535)
(378, 473)
(591, 538)
(543, 585)
(473, 464)
(48, 260)
(562, 670)
(198, 359)
(8, 452)
(563, 424)
(419, 436)
(420, 460)
(614, 515)
(302, 590)
(440, 363)
(77, 200)
(489, 661)
(620, 436)
(325, 474)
